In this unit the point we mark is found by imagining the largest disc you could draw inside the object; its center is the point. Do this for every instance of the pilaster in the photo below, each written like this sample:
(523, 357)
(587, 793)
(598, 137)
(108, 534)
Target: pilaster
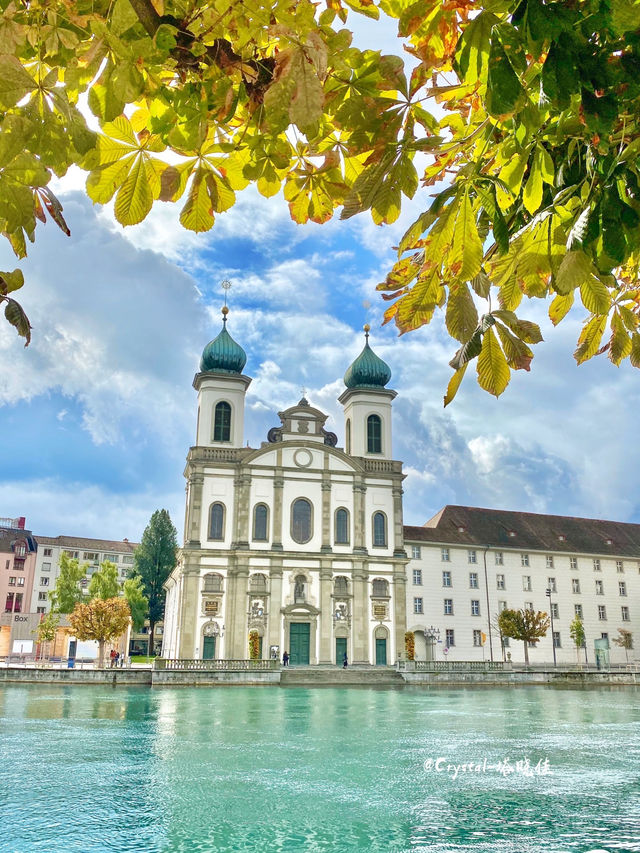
(275, 603)
(326, 615)
(189, 611)
(278, 486)
(360, 616)
(359, 533)
(399, 607)
(193, 516)
(242, 490)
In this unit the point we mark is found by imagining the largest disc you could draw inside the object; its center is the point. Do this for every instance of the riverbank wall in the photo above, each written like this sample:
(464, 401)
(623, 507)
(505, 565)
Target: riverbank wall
(382, 677)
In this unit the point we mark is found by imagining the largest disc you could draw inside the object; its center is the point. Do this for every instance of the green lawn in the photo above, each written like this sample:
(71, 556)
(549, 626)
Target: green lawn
(142, 659)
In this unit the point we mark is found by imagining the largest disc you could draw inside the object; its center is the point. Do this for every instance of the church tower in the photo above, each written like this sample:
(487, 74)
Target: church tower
(367, 405)
(221, 389)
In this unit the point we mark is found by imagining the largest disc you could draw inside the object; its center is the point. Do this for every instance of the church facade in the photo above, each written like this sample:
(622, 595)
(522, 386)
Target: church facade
(298, 542)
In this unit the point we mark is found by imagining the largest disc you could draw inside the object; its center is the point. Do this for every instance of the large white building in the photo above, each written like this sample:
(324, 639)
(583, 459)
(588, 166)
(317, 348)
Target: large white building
(298, 540)
(91, 551)
(468, 564)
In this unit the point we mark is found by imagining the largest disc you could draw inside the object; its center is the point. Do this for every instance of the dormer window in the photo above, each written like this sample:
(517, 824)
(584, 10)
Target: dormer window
(511, 533)
(562, 537)
(609, 541)
(462, 528)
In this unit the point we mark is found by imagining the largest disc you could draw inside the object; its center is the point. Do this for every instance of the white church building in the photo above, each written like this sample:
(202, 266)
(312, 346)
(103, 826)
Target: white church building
(298, 540)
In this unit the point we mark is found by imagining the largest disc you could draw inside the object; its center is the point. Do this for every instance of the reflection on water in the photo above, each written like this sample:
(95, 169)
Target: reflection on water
(92, 769)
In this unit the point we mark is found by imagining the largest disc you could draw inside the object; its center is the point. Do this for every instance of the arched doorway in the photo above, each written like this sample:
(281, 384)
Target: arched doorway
(210, 634)
(381, 637)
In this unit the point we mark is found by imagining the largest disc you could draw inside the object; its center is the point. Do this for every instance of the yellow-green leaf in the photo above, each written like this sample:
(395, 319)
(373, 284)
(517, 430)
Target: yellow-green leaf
(15, 82)
(517, 353)
(635, 349)
(462, 315)
(15, 314)
(493, 370)
(308, 98)
(595, 296)
(620, 340)
(10, 281)
(532, 195)
(134, 198)
(454, 384)
(465, 257)
(197, 214)
(560, 307)
(590, 337)
(574, 270)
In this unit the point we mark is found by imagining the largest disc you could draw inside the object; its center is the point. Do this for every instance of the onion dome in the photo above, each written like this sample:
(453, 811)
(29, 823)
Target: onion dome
(368, 370)
(223, 354)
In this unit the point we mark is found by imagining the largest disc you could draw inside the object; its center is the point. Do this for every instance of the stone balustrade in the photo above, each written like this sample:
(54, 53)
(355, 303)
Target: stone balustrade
(216, 665)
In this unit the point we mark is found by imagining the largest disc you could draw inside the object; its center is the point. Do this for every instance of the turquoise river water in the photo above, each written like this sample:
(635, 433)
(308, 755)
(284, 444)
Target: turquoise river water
(87, 769)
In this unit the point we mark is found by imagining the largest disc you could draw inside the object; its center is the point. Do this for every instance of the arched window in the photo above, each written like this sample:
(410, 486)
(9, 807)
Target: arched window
(341, 585)
(374, 434)
(216, 521)
(260, 519)
(348, 437)
(258, 583)
(380, 588)
(222, 422)
(379, 530)
(301, 521)
(342, 527)
(213, 583)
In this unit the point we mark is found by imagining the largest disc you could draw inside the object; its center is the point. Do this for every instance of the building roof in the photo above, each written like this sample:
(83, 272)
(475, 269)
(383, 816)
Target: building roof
(10, 535)
(469, 526)
(368, 370)
(223, 354)
(88, 544)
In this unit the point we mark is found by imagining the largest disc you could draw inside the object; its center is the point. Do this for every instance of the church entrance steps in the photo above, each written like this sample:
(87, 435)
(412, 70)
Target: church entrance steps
(317, 676)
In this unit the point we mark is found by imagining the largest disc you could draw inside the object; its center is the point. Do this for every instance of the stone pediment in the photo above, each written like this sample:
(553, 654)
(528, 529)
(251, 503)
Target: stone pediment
(302, 421)
(300, 609)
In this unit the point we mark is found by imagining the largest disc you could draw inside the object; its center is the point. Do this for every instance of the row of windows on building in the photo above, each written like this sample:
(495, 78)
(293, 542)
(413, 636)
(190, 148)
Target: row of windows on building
(91, 556)
(472, 557)
(527, 585)
(418, 608)
(213, 582)
(301, 524)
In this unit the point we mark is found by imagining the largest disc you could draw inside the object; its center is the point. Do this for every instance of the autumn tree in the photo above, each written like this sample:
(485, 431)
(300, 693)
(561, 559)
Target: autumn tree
(625, 641)
(515, 124)
(577, 634)
(154, 560)
(526, 625)
(68, 590)
(101, 620)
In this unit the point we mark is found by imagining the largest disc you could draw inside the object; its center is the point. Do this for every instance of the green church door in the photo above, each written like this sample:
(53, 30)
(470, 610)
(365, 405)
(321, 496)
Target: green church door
(299, 643)
(341, 650)
(209, 648)
(381, 652)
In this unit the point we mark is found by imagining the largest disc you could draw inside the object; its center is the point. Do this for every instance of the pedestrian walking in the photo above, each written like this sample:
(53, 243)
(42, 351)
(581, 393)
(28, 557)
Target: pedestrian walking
(345, 662)
(112, 656)
(285, 659)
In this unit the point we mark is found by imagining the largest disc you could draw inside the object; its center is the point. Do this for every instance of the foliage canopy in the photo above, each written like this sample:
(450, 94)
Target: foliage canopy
(533, 127)
(154, 560)
(68, 590)
(526, 625)
(102, 620)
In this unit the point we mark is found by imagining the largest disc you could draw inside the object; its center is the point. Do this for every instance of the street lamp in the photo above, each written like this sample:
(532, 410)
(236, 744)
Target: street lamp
(553, 642)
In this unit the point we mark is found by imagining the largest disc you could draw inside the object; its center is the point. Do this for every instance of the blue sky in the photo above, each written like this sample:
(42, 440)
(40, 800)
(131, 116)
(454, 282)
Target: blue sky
(97, 415)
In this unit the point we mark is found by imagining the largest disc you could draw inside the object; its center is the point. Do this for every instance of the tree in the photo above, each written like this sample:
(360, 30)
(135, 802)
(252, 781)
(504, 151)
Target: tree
(67, 591)
(254, 645)
(154, 560)
(577, 634)
(410, 645)
(538, 145)
(137, 601)
(526, 625)
(625, 641)
(102, 620)
(47, 628)
(104, 583)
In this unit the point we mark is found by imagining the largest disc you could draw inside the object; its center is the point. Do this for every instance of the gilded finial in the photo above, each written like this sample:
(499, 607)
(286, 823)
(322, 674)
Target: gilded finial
(225, 285)
(367, 329)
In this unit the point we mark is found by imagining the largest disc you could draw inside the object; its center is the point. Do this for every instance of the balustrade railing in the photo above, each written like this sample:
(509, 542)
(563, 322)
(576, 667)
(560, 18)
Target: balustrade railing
(216, 665)
(456, 665)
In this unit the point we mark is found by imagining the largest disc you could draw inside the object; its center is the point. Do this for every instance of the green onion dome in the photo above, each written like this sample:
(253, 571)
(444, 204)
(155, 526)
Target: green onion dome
(368, 370)
(223, 354)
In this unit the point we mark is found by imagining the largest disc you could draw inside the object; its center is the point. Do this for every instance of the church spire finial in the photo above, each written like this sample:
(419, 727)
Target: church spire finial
(225, 285)
(367, 329)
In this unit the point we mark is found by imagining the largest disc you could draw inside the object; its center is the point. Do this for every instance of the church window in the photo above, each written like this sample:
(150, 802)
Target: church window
(341, 585)
(213, 583)
(260, 518)
(258, 583)
(380, 588)
(379, 530)
(374, 434)
(222, 422)
(216, 521)
(342, 526)
(348, 430)
(301, 521)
